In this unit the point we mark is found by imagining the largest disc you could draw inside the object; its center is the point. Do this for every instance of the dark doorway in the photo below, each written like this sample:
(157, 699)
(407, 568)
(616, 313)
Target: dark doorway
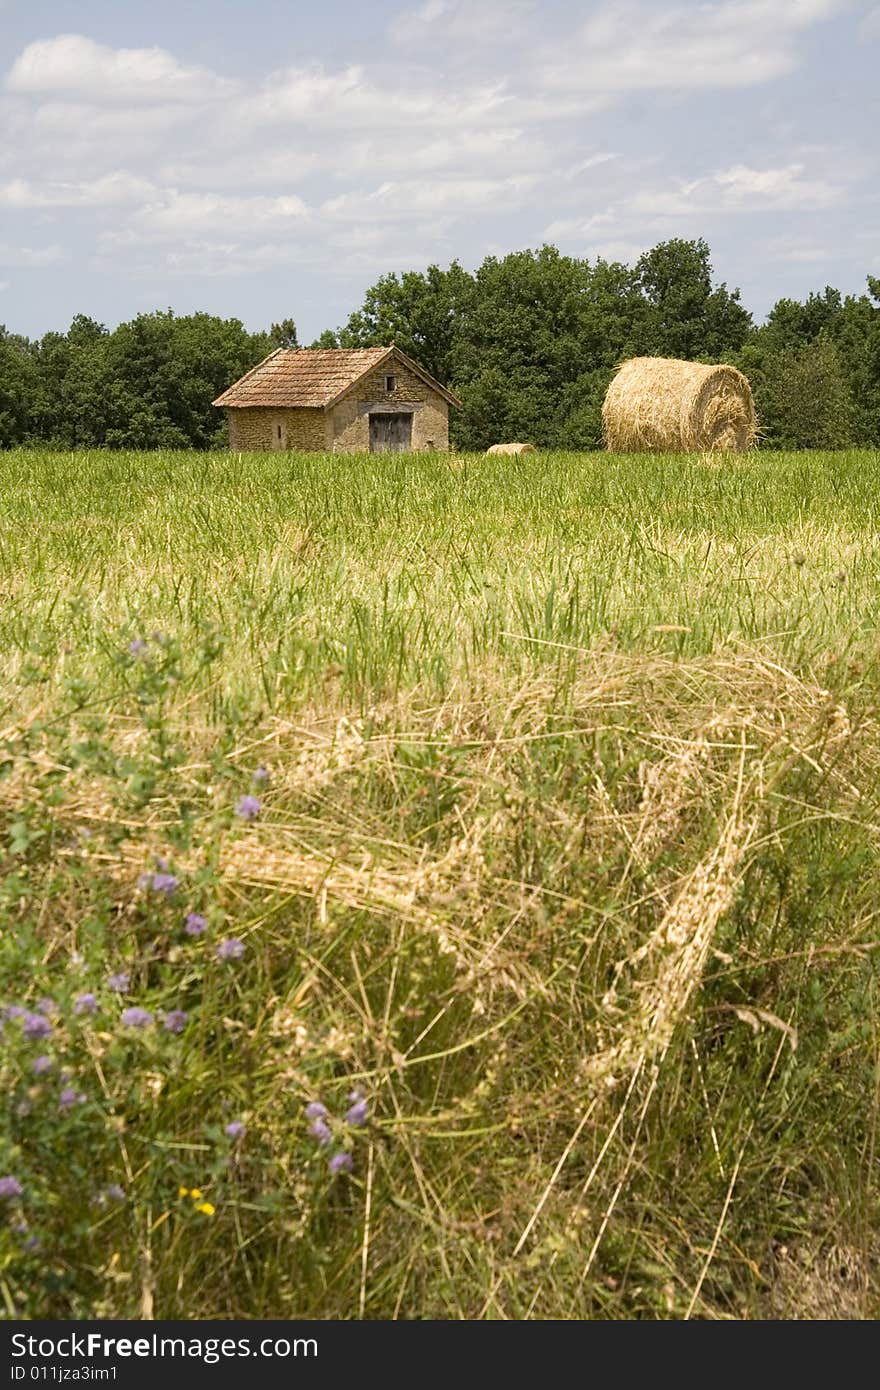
(390, 434)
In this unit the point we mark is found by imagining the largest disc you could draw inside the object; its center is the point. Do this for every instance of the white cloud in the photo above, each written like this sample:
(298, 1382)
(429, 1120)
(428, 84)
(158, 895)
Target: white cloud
(60, 141)
(280, 168)
(579, 228)
(415, 197)
(583, 165)
(193, 257)
(464, 121)
(175, 214)
(799, 248)
(110, 191)
(461, 22)
(869, 29)
(352, 250)
(629, 45)
(626, 251)
(28, 256)
(4, 285)
(740, 189)
(73, 65)
(349, 98)
(607, 235)
(471, 151)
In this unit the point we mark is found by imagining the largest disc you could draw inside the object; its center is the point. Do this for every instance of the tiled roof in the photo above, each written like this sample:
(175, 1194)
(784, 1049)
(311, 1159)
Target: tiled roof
(313, 376)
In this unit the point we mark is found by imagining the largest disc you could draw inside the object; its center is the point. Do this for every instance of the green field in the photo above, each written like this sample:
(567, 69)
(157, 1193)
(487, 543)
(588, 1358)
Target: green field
(561, 871)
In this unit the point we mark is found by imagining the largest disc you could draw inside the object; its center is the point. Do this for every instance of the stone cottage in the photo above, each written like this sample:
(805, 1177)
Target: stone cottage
(340, 400)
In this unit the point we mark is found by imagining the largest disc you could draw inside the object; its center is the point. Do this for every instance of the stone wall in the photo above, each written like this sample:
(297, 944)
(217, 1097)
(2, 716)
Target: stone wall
(346, 428)
(250, 429)
(256, 428)
(307, 429)
(351, 417)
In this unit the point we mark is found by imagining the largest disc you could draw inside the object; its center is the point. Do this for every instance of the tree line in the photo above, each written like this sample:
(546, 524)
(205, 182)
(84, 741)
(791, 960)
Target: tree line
(529, 341)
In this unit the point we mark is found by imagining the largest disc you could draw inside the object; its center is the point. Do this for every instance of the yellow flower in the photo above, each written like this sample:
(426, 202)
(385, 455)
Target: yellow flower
(206, 1207)
(196, 1194)
(183, 1192)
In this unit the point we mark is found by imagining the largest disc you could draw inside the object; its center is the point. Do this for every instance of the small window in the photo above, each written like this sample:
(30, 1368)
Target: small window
(279, 431)
(429, 444)
(390, 383)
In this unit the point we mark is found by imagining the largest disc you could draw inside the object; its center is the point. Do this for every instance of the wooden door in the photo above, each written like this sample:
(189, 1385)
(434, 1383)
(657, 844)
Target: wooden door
(390, 433)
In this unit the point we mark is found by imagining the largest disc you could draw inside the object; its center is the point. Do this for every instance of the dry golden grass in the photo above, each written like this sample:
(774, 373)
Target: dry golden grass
(567, 857)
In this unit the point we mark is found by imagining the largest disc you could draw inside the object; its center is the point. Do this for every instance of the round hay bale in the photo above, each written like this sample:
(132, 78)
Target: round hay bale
(660, 404)
(511, 449)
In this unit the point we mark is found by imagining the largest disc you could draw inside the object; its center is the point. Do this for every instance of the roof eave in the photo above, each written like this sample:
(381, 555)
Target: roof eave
(221, 399)
(426, 376)
(395, 351)
(334, 400)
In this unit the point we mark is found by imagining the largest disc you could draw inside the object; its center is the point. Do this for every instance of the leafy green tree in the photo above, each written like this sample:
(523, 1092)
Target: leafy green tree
(17, 388)
(70, 401)
(802, 396)
(424, 313)
(690, 318)
(162, 373)
(855, 333)
(283, 334)
(791, 324)
(529, 341)
(851, 325)
(519, 346)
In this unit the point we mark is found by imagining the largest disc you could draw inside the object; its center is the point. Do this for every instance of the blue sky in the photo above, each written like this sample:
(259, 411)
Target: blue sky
(274, 159)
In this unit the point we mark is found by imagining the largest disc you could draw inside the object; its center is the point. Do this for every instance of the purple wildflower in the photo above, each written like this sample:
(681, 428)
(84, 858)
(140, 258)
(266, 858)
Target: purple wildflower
(41, 1065)
(115, 1192)
(31, 1244)
(10, 1187)
(230, 949)
(235, 1129)
(136, 1018)
(14, 1011)
(165, 883)
(119, 982)
(47, 1006)
(175, 1021)
(320, 1130)
(85, 1003)
(137, 647)
(357, 1115)
(341, 1163)
(248, 807)
(70, 1097)
(315, 1110)
(260, 776)
(36, 1026)
(195, 924)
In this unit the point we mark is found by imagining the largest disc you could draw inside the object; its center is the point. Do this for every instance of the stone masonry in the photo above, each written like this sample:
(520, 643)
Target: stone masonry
(316, 400)
(351, 416)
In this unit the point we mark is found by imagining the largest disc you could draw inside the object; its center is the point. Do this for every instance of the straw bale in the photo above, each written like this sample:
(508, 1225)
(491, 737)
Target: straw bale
(660, 404)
